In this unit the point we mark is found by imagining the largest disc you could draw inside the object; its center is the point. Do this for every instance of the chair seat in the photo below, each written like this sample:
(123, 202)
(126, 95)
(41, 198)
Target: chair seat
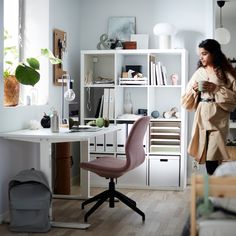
(108, 167)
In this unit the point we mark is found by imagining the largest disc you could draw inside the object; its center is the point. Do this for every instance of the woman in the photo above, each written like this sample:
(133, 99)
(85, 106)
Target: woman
(212, 105)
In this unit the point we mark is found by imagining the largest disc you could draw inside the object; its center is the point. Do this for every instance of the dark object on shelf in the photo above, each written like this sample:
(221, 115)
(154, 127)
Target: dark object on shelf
(130, 45)
(136, 68)
(116, 44)
(45, 121)
(233, 115)
(142, 112)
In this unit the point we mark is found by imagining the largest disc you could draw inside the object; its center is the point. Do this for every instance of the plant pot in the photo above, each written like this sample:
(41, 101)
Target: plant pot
(11, 91)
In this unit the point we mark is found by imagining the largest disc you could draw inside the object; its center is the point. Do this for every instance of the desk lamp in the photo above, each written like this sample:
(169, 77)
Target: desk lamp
(164, 32)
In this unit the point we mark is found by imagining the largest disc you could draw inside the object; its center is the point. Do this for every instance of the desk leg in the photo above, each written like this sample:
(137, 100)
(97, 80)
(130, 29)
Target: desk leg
(46, 160)
(84, 174)
(45, 164)
(46, 167)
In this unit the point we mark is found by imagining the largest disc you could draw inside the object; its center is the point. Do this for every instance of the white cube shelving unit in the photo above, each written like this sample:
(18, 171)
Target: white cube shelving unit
(166, 139)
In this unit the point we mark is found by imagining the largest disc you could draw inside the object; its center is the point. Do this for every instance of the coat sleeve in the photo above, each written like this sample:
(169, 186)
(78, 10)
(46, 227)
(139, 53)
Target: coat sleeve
(225, 96)
(190, 99)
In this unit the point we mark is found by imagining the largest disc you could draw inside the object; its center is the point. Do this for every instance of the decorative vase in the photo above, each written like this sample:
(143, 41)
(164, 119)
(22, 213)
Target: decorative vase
(128, 105)
(11, 91)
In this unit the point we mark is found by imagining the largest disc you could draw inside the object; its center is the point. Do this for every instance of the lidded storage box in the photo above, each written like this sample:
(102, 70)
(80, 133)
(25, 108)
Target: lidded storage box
(29, 198)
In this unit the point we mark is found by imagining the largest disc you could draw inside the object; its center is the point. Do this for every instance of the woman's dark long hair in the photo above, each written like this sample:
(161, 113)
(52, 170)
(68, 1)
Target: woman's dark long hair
(220, 62)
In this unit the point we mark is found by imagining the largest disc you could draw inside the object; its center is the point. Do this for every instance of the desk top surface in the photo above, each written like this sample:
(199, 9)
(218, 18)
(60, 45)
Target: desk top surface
(64, 135)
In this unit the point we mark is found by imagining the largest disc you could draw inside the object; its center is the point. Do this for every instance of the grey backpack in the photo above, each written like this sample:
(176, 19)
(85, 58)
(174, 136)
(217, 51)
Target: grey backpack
(30, 199)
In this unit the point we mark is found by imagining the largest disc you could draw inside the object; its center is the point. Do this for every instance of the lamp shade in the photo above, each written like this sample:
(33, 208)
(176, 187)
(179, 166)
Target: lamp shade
(222, 35)
(164, 31)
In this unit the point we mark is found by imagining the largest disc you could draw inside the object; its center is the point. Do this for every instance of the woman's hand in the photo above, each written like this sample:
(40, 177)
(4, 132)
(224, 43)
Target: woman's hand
(208, 86)
(195, 87)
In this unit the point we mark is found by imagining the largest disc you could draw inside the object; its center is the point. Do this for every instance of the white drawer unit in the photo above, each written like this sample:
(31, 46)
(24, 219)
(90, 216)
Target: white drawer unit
(164, 171)
(134, 178)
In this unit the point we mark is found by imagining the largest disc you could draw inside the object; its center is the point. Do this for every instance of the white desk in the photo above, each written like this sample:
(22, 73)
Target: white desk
(45, 138)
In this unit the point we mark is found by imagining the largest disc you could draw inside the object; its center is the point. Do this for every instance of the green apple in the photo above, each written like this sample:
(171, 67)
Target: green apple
(100, 122)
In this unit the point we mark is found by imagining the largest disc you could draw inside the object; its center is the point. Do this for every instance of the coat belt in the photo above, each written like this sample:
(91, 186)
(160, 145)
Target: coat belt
(207, 100)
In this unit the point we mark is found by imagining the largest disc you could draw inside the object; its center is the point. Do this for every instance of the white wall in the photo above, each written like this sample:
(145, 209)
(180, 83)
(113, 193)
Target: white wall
(84, 21)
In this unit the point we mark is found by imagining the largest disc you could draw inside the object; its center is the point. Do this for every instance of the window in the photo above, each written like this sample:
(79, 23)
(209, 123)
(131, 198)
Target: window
(27, 31)
(11, 33)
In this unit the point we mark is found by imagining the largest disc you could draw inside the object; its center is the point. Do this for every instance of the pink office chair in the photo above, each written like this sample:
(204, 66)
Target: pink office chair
(110, 167)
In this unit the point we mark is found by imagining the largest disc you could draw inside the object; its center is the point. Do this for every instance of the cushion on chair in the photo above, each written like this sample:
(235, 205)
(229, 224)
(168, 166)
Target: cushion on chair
(108, 167)
(227, 169)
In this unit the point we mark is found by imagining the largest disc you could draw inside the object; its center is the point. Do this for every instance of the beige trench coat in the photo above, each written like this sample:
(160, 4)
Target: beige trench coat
(210, 118)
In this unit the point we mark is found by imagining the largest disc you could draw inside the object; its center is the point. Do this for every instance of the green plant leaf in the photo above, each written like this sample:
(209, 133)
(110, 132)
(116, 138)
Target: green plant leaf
(33, 62)
(47, 53)
(55, 60)
(26, 75)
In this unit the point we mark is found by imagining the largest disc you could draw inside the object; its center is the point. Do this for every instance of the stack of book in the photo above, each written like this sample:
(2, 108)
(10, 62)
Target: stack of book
(158, 74)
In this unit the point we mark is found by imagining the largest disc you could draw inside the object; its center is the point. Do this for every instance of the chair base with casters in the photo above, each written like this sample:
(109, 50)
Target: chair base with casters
(110, 195)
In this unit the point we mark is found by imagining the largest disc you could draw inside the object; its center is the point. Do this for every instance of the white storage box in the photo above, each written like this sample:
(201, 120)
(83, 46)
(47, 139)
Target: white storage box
(164, 171)
(136, 177)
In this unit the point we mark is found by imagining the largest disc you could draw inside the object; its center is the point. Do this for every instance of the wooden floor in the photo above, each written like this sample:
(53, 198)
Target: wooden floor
(166, 213)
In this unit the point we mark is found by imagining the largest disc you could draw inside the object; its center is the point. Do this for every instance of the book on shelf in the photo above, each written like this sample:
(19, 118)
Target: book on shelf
(152, 60)
(157, 72)
(111, 107)
(164, 75)
(98, 108)
(106, 103)
(101, 107)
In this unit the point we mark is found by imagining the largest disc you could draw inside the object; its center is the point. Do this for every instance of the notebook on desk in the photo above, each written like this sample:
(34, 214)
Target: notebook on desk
(84, 128)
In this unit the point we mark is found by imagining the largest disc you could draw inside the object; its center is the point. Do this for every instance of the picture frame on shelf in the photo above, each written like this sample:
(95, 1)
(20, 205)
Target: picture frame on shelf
(121, 28)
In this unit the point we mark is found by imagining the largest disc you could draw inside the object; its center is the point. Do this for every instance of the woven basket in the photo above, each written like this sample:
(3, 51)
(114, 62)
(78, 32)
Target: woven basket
(11, 91)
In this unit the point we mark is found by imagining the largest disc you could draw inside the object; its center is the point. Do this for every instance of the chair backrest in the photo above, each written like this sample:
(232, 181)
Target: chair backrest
(134, 150)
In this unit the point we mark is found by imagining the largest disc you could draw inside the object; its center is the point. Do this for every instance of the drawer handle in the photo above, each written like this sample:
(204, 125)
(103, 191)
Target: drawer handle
(120, 145)
(166, 160)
